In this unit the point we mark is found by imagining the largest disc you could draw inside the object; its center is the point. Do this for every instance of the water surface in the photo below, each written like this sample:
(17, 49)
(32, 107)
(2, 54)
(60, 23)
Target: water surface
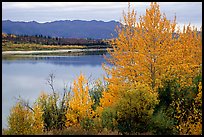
(28, 77)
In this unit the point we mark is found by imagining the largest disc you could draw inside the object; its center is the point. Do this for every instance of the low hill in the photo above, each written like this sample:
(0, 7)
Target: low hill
(67, 29)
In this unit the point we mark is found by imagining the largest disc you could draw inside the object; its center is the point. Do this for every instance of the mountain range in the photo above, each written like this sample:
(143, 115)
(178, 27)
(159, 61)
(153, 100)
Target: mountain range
(64, 28)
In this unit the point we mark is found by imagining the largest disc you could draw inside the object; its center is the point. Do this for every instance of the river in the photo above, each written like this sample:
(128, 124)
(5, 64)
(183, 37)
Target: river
(28, 77)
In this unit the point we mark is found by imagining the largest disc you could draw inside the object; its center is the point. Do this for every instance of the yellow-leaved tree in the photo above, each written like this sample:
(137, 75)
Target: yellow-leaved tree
(152, 49)
(24, 120)
(80, 104)
(38, 125)
(148, 52)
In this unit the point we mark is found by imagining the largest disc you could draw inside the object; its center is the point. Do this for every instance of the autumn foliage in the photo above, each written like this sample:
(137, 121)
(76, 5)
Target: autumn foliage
(80, 104)
(23, 121)
(150, 52)
(154, 84)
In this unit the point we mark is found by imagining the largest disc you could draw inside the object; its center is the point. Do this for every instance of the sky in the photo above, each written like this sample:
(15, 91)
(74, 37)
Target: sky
(186, 12)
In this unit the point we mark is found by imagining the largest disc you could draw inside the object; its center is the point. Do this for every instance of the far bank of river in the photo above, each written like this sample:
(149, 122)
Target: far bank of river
(52, 51)
(64, 52)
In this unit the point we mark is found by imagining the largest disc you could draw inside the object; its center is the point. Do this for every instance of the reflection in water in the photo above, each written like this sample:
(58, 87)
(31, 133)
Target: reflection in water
(92, 60)
(27, 77)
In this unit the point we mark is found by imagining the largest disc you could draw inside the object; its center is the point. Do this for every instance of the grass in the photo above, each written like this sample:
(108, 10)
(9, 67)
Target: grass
(27, 47)
(81, 131)
(8, 46)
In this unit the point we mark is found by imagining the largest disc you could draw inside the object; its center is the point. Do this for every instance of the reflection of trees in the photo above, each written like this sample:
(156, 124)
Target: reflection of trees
(92, 60)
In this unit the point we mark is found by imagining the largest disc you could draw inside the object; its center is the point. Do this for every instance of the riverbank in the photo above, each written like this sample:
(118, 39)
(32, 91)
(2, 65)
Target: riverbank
(38, 53)
(51, 51)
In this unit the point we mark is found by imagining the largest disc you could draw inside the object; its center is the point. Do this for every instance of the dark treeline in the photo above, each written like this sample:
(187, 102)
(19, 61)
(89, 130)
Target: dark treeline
(47, 40)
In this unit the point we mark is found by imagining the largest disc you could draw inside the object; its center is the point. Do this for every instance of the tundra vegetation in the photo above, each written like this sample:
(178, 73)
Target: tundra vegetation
(153, 87)
(11, 42)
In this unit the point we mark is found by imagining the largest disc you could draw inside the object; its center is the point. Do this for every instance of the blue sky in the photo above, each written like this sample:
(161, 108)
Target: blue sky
(186, 12)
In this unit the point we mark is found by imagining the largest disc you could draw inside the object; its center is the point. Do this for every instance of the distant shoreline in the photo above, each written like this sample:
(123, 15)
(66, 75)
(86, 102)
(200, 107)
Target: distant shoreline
(51, 51)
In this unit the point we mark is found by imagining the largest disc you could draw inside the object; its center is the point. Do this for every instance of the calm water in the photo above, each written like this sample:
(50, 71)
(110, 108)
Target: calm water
(27, 77)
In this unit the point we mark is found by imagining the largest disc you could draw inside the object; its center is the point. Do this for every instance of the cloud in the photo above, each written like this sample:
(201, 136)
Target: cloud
(59, 5)
(106, 11)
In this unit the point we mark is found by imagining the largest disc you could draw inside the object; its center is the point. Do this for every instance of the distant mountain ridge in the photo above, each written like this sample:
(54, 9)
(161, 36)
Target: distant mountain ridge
(63, 28)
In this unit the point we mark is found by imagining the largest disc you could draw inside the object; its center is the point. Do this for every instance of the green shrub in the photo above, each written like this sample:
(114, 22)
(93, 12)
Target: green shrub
(96, 93)
(109, 118)
(176, 104)
(161, 124)
(134, 110)
(54, 110)
(87, 123)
